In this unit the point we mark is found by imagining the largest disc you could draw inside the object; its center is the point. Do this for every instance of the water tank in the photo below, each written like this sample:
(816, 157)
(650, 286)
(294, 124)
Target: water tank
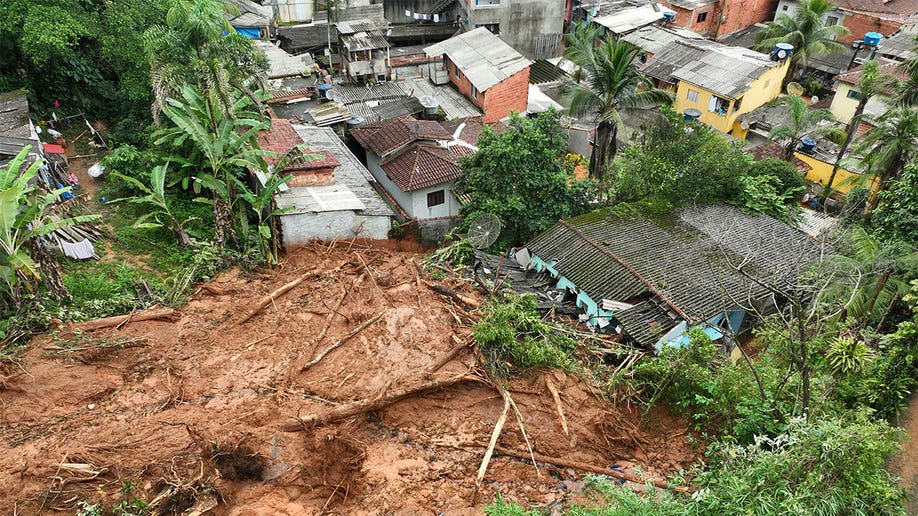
(807, 145)
(782, 51)
(669, 16)
(691, 114)
(355, 121)
(873, 38)
(431, 104)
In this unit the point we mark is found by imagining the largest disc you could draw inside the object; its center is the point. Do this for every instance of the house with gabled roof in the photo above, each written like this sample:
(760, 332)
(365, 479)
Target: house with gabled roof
(717, 83)
(651, 278)
(416, 162)
(328, 197)
(487, 71)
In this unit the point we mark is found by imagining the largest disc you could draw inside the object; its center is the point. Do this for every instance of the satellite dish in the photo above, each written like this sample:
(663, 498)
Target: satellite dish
(795, 89)
(814, 99)
(484, 230)
(781, 53)
(330, 94)
(744, 125)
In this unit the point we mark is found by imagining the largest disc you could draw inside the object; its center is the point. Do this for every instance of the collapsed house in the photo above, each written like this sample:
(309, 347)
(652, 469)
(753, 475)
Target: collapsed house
(651, 279)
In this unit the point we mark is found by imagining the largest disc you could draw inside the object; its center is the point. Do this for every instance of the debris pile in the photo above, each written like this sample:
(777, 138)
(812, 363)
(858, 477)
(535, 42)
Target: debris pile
(343, 381)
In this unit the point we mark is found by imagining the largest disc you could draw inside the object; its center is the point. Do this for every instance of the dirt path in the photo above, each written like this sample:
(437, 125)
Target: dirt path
(191, 412)
(905, 463)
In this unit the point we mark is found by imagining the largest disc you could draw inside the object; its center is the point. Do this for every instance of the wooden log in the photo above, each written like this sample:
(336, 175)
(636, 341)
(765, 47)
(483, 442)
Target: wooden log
(341, 341)
(557, 397)
(152, 314)
(495, 434)
(452, 294)
(630, 477)
(270, 298)
(362, 407)
(453, 353)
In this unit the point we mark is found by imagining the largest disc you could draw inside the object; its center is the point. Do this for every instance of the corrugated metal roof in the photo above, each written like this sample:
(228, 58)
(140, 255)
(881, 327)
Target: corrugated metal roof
(251, 14)
(363, 41)
(678, 261)
(483, 57)
(726, 71)
(351, 173)
(898, 46)
(355, 26)
(625, 21)
(384, 90)
(282, 64)
(652, 39)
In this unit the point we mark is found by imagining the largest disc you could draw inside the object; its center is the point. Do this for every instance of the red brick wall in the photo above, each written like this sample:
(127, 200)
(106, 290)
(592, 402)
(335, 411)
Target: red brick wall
(463, 85)
(318, 177)
(860, 24)
(740, 14)
(411, 59)
(510, 94)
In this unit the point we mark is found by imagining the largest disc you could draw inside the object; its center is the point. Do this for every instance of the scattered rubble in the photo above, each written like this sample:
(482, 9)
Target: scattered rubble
(350, 391)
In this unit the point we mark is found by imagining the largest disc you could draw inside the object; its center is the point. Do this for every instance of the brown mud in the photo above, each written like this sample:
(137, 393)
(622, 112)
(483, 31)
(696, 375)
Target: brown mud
(191, 412)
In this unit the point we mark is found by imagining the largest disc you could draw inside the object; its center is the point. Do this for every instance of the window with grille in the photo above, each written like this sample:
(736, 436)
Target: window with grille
(436, 198)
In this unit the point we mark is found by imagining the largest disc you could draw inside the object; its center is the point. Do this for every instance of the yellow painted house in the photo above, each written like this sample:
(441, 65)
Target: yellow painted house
(719, 82)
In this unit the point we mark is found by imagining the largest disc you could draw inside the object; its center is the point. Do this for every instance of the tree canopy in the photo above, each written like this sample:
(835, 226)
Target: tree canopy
(520, 176)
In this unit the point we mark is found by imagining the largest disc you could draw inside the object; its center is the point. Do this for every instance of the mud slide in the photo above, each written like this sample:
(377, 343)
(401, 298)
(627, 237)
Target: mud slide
(195, 413)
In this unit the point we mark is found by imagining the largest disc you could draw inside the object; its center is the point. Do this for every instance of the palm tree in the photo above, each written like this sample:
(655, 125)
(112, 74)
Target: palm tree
(803, 122)
(24, 220)
(226, 143)
(805, 31)
(908, 92)
(607, 84)
(197, 46)
(888, 147)
(871, 83)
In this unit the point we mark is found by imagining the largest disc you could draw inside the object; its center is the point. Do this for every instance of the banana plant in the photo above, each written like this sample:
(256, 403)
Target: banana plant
(24, 220)
(160, 212)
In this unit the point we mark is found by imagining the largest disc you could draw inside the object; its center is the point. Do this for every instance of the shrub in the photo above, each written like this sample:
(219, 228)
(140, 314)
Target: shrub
(789, 178)
(512, 332)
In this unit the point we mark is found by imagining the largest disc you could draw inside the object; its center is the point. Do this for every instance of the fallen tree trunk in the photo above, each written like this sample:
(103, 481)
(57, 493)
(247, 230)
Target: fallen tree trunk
(269, 299)
(341, 341)
(362, 407)
(658, 482)
(165, 314)
(455, 296)
(453, 353)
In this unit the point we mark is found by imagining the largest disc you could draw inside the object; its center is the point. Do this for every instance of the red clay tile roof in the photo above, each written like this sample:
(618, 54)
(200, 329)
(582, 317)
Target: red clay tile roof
(887, 67)
(473, 129)
(424, 165)
(892, 8)
(282, 137)
(773, 150)
(389, 135)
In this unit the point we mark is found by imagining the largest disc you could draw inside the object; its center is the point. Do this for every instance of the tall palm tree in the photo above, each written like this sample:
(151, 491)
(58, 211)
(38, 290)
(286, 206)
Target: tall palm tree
(197, 46)
(805, 31)
(888, 147)
(803, 122)
(607, 84)
(908, 92)
(871, 84)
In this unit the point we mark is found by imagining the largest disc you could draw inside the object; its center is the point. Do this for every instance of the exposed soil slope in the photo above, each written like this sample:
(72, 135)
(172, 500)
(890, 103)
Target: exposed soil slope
(191, 411)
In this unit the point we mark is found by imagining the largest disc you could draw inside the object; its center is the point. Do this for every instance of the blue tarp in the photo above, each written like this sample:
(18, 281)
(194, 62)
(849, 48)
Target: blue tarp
(249, 32)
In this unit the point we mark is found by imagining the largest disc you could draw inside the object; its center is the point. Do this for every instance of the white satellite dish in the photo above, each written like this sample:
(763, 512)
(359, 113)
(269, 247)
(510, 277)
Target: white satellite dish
(744, 125)
(484, 230)
(814, 99)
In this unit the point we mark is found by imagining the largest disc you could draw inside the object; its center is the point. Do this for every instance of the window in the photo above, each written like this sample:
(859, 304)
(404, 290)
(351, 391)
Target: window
(718, 105)
(702, 17)
(784, 8)
(474, 92)
(692, 96)
(436, 198)
(854, 94)
(456, 71)
(831, 21)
